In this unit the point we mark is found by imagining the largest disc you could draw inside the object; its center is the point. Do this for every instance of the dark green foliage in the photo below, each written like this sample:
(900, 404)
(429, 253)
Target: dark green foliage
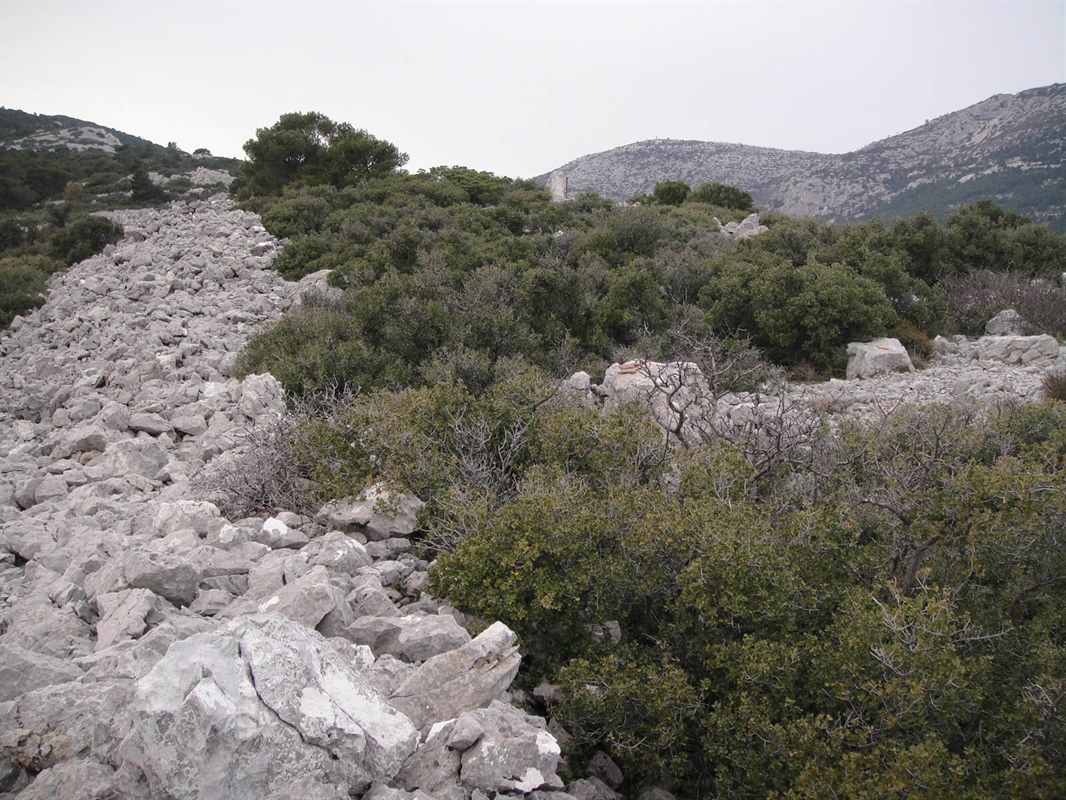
(721, 194)
(84, 238)
(22, 285)
(797, 314)
(670, 193)
(143, 191)
(311, 149)
(859, 645)
(1055, 386)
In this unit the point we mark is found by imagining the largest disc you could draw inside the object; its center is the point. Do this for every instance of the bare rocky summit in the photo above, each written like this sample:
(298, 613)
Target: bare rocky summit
(1010, 148)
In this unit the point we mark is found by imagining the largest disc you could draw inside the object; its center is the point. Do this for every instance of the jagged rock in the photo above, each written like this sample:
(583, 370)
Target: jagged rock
(36, 623)
(77, 779)
(261, 394)
(338, 553)
(592, 788)
(602, 766)
(149, 423)
(58, 723)
(276, 535)
(1017, 349)
(867, 359)
(244, 711)
(470, 677)
(23, 670)
(312, 787)
(168, 575)
(676, 393)
(1007, 323)
(409, 638)
(143, 457)
(433, 767)
(305, 601)
(126, 614)
(505, 750)
(380, 791)
(655, 793)
(378, 513)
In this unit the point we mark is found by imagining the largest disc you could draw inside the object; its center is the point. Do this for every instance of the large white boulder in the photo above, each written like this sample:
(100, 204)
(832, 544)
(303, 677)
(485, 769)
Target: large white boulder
(867, 359)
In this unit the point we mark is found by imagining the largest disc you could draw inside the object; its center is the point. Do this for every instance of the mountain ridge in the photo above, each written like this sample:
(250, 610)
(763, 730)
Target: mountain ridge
(1009, 148)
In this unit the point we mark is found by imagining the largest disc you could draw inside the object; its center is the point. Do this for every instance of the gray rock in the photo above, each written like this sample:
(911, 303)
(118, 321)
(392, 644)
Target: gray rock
(409, 638)
(602, 766)
(170, 576)
(505, 750)
(276, 535)
(126, 614)
(66, 721)
(37, 623)
(23, 670)
(78, 779)
(130, 457)
(470, 677)
(245, 711)
(867, 359)
(378, 513)
(149, 422)
(1007, 323)
(312, 787)
(592, 788)
(305, 601)
(338, 553)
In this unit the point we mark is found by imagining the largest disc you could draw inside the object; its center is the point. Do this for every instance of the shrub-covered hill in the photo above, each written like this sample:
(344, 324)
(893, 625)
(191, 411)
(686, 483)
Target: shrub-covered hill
(447, 273)
(55, 171)
(783, 609)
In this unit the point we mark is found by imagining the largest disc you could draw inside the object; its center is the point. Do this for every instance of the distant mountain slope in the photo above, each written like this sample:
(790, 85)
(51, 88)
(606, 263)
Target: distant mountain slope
(1010, 148)
(20, 130)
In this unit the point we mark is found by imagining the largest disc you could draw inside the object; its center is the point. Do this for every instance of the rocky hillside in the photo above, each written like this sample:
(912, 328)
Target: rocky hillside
(295, 657)
(20, 130)
(1009, 148)
(151, 647)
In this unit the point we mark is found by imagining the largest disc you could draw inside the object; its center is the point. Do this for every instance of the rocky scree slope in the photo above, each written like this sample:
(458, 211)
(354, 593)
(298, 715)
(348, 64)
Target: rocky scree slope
(1010, 148)
(150, 647)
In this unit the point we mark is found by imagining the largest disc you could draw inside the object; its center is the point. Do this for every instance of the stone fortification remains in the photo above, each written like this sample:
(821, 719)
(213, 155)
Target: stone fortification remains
(150, 647)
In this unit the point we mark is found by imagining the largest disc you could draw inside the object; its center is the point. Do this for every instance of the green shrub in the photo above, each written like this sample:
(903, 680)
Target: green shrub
(84, 238)
(797, 315)
(1055, 386)
(22, 285)
(720, 194)
(917, 342)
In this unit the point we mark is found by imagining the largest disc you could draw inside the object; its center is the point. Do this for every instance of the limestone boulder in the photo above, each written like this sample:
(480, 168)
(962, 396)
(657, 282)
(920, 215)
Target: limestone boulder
(23, 670)
(247, 710)
(505, 750)
(469, 677)
(1007, 323)
(867, 359)
(410, 638)
(378, 513)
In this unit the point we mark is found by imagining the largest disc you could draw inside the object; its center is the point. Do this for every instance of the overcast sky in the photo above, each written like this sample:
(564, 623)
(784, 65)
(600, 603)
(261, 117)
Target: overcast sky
(519, 88)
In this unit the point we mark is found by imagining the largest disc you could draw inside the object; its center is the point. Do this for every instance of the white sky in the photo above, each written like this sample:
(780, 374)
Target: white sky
(519, 88)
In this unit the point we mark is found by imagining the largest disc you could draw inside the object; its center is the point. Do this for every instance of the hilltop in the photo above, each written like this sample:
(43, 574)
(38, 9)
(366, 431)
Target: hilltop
(1009, 148)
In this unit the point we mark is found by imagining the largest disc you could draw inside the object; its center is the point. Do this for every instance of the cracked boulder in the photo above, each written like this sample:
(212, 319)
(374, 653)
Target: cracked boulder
(244, 711)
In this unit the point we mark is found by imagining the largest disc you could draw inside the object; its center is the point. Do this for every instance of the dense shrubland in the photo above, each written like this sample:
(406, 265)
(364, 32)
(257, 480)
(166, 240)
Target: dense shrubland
(446, 272)
(871, 611)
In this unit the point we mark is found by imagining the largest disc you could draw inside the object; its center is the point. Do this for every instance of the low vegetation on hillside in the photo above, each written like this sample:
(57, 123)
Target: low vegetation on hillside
(47, 198)
(780, 611)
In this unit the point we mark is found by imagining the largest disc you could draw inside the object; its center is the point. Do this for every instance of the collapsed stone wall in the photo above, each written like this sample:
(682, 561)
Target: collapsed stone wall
(150, 647)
